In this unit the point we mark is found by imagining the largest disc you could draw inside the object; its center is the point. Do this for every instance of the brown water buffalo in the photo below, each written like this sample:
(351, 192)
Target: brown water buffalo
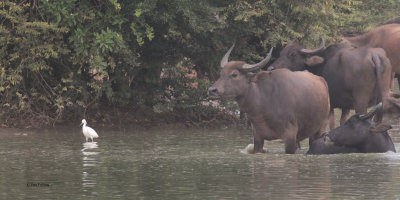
(280, 104)
(361, 133)
(387, 37)
(357, 77)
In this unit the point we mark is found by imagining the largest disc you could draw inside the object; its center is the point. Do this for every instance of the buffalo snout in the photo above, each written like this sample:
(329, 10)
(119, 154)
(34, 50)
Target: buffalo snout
(212, 91)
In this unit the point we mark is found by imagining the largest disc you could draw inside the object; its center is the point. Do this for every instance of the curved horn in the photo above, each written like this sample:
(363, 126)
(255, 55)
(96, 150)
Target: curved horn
(372, 112)
(254, 67)
(224, 60)
(310, 51)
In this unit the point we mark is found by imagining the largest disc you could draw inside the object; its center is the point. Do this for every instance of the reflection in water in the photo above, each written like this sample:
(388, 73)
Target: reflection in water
(393, 157)
(89, 162)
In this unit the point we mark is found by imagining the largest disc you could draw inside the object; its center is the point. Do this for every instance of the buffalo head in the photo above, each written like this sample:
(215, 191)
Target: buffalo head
(296, 58)
(360, 132)
(235, 76)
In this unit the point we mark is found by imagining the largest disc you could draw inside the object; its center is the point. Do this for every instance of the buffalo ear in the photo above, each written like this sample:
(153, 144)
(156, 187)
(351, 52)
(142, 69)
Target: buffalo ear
(250, 75)
(380, 128)
(314, 60)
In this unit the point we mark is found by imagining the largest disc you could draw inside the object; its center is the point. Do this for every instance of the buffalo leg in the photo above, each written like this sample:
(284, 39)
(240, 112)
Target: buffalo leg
(360, 107)
(290, 139)
(393, 76)
(332, 120)
(290, 145)
(343, 117)
(310, 140)
(258, 145)
(390, 105)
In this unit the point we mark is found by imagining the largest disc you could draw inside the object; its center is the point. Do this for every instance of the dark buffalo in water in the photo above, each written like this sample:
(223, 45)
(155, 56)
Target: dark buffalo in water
(318, 146)
(357, 77)
(361, 133)
(280, 104)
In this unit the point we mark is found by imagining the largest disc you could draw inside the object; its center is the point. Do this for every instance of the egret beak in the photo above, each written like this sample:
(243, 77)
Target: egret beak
(81, 124)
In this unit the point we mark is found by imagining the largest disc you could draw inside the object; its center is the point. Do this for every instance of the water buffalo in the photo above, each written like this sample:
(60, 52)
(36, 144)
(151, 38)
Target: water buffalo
(361, 133)
(318, 146)
(356, 77)
(280, 104)
(387, 37)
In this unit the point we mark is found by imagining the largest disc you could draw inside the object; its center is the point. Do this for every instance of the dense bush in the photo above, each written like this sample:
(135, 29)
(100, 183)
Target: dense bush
(60, 59)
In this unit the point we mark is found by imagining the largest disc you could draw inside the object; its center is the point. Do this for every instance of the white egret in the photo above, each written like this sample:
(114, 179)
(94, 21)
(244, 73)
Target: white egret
(87, 131)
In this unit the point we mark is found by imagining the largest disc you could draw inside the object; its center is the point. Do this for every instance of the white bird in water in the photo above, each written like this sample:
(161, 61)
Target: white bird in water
(88, 132)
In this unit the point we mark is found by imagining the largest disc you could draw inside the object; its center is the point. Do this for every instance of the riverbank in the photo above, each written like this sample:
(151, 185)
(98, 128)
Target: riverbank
(120, 118)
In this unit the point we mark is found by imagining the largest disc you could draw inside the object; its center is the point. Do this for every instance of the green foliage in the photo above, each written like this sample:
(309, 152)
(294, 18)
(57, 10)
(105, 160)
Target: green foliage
(367, 14)
(29, 78)
(59, 57)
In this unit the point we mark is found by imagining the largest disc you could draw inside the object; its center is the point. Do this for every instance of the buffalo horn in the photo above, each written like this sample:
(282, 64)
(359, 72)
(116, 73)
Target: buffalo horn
(310, 51)
(372, 112)
(224, 60)
(254, 67)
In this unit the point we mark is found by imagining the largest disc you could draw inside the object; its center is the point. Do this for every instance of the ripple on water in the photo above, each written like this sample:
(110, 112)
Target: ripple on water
(188, 164)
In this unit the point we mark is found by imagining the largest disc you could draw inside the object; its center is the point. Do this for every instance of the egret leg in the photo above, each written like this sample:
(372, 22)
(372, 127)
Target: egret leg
(86, 139)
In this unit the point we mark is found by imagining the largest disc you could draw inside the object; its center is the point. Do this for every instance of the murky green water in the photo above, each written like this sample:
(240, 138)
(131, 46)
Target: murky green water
(184, 164)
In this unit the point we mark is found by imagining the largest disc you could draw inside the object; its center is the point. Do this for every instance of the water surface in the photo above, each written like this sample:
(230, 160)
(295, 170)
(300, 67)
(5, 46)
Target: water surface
(184, 164)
